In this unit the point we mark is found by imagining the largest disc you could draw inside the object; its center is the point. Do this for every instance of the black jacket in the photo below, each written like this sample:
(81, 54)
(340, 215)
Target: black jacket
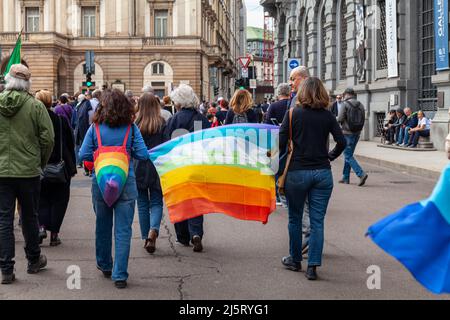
(146, 175)
(311, 129)
(82, 121)
(62, 129)
(251, 117)
(185, 119)
(277, 111)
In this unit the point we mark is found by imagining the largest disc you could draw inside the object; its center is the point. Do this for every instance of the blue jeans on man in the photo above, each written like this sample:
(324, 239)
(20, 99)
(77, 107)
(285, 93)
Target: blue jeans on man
(350, 161)
(317, 187)
(403, 136)
(122, 213)
(150, 206)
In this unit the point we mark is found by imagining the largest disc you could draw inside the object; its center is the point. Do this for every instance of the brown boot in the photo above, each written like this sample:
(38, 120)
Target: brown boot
(151, 242)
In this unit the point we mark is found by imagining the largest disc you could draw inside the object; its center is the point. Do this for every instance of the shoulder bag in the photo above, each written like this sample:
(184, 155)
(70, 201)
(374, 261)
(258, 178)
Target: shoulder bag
(56, 173)
(285, 160)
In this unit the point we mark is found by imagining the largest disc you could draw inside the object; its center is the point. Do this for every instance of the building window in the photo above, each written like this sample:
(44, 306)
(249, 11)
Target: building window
(343, 41)
(382, 59)
(88, 21)
(32, 20)
(161, 23)
(427, 59)
(158, 69)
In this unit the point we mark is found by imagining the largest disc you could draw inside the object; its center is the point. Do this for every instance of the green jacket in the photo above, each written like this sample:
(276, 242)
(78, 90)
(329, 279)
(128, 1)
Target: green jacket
(26, 135)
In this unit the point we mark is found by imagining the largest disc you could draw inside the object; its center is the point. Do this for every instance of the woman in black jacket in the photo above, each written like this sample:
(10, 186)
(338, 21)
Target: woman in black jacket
(54, 198)
(241, 109)
(186, 120)
(309, 172)
(150, 197)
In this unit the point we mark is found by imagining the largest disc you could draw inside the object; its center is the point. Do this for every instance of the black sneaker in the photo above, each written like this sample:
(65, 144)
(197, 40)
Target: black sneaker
(311, 273)
(106, 274)
(122, 284)
(55, 240)
(363, 180)
(197, 242)
(291, 265)
(8, 278)
(34, 268)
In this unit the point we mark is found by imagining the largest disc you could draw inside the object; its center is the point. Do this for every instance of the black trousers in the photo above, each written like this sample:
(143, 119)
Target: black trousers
(186, 230)
(53, 205)
(26, 191)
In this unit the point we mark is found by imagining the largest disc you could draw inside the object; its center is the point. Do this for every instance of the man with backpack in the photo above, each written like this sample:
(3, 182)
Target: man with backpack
(352, 118)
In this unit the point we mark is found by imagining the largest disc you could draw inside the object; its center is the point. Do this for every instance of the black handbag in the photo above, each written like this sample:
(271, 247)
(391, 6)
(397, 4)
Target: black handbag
(56, 172)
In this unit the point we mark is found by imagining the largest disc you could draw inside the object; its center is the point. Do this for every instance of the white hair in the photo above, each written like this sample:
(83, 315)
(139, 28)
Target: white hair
(302, 71)
(284, 89)
(185, 97)
(17, 84)
(148, 89)
(81, 97)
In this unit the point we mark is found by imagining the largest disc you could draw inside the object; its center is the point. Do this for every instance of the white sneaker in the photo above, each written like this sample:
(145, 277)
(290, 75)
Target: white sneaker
(279, 204)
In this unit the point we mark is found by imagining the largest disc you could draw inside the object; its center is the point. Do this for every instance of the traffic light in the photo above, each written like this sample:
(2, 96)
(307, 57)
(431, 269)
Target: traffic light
(89, 82)
(239, 83)
(216, 91)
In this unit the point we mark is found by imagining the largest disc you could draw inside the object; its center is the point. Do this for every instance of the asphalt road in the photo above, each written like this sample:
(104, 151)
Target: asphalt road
(241, 259)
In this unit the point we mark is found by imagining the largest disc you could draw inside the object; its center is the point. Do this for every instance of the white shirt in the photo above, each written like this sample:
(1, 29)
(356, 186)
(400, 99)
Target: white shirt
(425, 122)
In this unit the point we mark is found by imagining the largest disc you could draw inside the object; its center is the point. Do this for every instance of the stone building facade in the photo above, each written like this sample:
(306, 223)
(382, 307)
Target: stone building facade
(346, 44)
(136, 42)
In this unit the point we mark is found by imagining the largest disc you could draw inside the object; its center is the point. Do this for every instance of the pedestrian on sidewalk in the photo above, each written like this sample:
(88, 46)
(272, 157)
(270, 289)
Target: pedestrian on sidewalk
(241, 110)
(276, 112)
(150, 197)
(298, 76)
(55, 196)
(187, 119)
(221, 115)
(26, 143)
(84, 120)
(352, 119)
(64, 110)
(422, 129)
(309, 175)
(114, 126)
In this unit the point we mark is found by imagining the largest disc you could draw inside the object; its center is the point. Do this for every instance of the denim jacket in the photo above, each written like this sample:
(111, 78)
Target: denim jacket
(114, 137)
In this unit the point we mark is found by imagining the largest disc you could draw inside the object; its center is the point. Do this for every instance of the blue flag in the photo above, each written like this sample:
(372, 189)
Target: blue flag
(419, 237)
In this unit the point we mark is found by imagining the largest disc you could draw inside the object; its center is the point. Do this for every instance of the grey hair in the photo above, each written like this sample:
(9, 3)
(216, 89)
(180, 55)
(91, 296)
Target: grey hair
(185, 97)
(97, 94)
(302, 71)
(129, 94)
(81, 97)
(284, 89)
(148, 89)
(17, 84)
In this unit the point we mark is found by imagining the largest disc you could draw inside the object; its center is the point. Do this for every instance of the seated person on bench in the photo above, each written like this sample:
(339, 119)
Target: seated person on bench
(422, 130)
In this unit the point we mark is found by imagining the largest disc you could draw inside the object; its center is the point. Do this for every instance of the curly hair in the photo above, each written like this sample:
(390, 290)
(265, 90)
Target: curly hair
(115, 109)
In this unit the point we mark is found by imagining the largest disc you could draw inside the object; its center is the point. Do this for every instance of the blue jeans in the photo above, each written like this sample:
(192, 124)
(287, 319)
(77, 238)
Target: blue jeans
(150, 206)
(122, 213)
(403, 135)
(350, 161)
(186, 230)
(317, 187)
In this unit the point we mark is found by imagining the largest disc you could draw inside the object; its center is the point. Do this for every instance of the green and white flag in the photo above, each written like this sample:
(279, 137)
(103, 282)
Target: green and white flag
(16, 54)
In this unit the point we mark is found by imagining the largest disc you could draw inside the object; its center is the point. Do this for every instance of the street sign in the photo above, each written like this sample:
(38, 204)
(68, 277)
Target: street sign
(245, 62)
(253, 84)
(293, 63)
(244, 72)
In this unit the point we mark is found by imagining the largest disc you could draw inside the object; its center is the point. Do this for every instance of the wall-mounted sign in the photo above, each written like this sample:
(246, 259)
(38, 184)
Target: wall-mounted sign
(391, 38)
(441, 34)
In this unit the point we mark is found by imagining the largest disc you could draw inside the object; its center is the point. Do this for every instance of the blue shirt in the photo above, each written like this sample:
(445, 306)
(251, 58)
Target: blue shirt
(112, 137)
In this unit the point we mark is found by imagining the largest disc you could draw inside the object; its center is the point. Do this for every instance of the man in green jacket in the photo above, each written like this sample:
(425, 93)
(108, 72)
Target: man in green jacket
(26, 143)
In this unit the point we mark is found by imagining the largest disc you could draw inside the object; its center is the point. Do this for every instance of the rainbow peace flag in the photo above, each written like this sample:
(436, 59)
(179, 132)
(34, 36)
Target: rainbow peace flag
(226, 170)
(419, 237)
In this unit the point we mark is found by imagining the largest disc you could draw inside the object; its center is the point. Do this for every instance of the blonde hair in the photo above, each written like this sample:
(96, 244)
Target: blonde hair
(45, 97)
(149, 118)
(241, 102)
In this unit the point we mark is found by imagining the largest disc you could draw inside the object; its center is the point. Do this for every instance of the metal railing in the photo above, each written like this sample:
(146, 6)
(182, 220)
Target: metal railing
(158, 41)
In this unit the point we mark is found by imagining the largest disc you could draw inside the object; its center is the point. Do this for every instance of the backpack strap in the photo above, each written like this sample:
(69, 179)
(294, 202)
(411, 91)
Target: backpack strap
(126, 136)
(99, 138)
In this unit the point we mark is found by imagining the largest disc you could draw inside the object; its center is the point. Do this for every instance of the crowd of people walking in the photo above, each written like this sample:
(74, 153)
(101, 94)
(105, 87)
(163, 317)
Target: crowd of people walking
(46, 141)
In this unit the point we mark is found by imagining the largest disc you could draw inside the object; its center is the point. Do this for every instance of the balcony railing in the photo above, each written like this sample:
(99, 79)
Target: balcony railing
(157, 41)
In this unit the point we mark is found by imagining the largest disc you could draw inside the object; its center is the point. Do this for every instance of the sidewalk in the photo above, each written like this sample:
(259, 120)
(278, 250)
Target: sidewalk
(425, 164)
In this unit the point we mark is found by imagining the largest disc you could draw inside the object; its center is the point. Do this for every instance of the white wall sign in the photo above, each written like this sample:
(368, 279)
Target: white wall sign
(391, 38)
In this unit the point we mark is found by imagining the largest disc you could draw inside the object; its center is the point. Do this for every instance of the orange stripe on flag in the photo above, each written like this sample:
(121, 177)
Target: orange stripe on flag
(226, 193)
(197, 207)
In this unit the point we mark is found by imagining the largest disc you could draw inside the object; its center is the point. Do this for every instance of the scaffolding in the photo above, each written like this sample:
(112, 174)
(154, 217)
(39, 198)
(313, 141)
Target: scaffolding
(268, 52)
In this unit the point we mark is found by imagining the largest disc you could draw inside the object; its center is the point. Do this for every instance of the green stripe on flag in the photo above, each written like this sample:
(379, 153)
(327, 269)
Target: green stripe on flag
(16, 55)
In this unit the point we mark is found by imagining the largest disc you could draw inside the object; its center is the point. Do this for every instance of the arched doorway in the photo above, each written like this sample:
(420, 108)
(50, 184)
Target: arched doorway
(79, 77)
(62, 77)
(159, 75)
